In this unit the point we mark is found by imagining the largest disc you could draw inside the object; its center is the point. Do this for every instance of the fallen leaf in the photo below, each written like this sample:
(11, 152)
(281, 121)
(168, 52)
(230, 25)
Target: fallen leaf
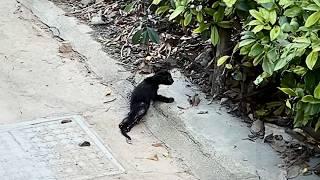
(157, 145)
(148, 58)
(223, 100)
(154, 158)
(65, 47)
(194, 100)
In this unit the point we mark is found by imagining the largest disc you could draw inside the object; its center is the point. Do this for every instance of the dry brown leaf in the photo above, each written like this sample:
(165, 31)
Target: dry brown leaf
(148, 58)
(157, 145)
(154, 158)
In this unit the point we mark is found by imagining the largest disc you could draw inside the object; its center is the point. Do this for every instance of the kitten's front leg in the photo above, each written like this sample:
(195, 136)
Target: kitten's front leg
(164, 99)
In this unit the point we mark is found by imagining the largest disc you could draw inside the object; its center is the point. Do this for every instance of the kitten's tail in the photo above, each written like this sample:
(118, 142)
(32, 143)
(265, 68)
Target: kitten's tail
(124, 130)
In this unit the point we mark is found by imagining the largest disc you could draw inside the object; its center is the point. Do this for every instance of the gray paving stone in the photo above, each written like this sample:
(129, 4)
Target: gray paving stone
(47, 149)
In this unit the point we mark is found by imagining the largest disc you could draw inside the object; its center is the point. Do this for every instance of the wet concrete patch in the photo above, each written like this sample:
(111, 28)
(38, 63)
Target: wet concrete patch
(49, 149)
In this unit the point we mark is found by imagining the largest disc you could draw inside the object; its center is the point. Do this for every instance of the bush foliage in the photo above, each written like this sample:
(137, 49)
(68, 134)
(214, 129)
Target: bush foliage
(278, 36)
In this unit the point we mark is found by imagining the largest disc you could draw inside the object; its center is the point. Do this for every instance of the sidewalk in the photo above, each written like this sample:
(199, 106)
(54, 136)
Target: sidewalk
(39, 82)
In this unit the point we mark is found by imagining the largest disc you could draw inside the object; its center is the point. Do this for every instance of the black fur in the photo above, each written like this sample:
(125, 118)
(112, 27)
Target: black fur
(141, 98)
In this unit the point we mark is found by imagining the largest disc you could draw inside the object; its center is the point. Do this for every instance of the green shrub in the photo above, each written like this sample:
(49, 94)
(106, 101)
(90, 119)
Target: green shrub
(282, 37)
(279, 36)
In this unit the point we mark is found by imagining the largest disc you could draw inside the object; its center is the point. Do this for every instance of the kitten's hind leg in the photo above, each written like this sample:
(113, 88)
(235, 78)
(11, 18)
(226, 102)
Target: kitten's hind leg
(164, 99)
(139, 115)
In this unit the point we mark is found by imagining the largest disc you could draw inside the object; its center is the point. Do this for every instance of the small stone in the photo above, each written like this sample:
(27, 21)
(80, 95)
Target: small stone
(251, 117)
(108, 92)
(203, 112)
(257, 128)
(66, 121)
(85, 143)
(65, 47)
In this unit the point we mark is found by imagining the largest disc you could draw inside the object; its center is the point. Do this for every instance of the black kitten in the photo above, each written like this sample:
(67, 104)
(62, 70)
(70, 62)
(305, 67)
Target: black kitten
(141, 97)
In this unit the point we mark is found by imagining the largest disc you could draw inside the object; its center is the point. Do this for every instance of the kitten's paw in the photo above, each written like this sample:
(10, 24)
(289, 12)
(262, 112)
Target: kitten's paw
(170, 100)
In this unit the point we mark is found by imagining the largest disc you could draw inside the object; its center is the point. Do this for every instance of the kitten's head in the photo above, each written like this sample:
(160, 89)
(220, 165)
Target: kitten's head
(163, 77)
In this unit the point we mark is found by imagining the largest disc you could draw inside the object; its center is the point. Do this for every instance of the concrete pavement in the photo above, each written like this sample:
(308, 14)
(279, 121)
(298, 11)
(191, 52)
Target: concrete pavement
(37, 81)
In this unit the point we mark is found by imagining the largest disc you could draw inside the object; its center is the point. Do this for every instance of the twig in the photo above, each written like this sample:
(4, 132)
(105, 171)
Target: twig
(126, 44)
(110, 100)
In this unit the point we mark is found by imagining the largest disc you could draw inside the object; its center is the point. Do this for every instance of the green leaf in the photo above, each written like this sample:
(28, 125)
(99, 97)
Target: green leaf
(310, 99)
(229, 3)
(235, 48)
(225, 24)
(312, 59)
(317, 125)
(273, 16)
(260, 78)
(267, 66)
(129, 7)
(222, 60)
(264, 1)
(144, 37)
(219, 14)
(285, 3)
(302, 40)
(317, 2)
(156, 2)
(299, 70)
(153, 35)
(215, 4)
(254, 23)
(288, 104)
(246, 42)
(272, 55)
(162, 9)
(256, 15)
(316, 92)
(209, 11)
(312, 19)
(256, 49)
(214, 35)
(136, 38)
(267, 27)
(274, 33)
(285, 58)
(201, 28)
(312, 109)
(176, 12)
(316, 48)
(258, 59)
(229, 66)
(257, 28)
(187, 19)
(199, 17)
(288, 91)
(312, 7)
(292, 12)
